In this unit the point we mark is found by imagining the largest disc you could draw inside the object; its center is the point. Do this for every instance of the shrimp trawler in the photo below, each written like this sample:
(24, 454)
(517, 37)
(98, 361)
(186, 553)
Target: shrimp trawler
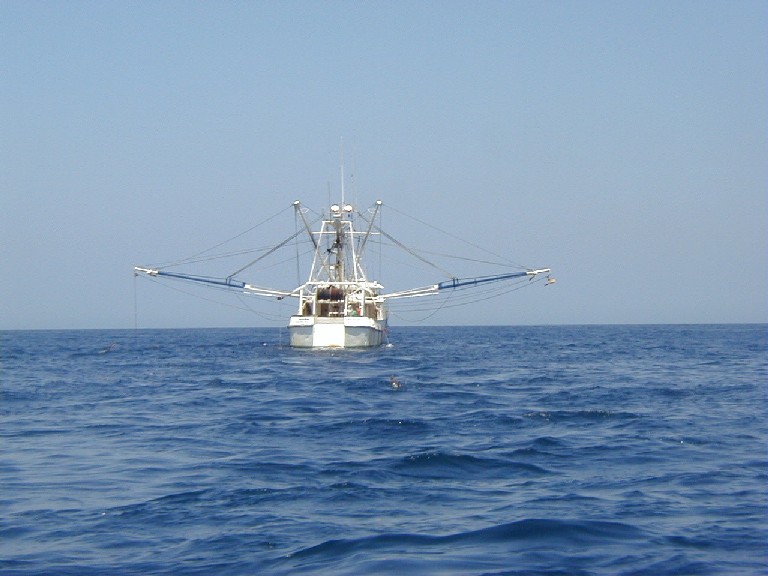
(338, 305)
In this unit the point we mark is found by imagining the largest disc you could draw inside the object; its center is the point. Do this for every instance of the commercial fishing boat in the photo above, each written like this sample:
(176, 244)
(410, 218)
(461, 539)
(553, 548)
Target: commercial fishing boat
(338, 305)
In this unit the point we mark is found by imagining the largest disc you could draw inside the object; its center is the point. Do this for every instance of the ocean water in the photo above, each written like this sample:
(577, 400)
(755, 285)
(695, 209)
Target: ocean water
(506, 450)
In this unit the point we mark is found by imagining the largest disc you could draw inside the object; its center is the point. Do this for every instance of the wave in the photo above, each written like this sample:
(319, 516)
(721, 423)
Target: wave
(386, 429)
(176, 501)
(577, 416)
(463, 466)
(520, 536)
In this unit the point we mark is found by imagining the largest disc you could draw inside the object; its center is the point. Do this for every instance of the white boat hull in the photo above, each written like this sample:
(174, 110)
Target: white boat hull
(341, 332)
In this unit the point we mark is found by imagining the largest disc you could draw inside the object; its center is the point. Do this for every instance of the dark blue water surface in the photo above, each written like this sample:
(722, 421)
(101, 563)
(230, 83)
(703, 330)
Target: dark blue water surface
(515, 450)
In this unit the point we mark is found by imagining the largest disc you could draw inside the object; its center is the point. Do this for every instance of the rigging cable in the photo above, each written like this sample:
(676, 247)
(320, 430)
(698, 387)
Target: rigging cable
(135, 305)
(273, 249)
(198, 254)
(380, 245)
(404, 247)
(507, 260)
(296, 230)
(242, 307)
(462, 300)
(432, 311)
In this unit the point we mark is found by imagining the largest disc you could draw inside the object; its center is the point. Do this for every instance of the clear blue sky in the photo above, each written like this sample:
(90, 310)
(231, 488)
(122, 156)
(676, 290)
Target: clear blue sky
(623, 144)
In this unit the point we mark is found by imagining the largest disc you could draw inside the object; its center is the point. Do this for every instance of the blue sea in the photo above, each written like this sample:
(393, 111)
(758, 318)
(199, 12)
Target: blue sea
(569, 450)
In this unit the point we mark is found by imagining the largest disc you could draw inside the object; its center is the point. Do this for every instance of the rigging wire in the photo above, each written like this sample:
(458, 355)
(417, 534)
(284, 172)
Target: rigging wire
(288, 258)
(135, 304)
(448, 256)
(242, 307)
(465, 241)
(432, 311)
(398, 308)
(273, 249)
(296, 230)
(402, 246)
(422, 254)
(380, 242)
(265, 315)
(221, 256)
(464, 258)
(198, 254)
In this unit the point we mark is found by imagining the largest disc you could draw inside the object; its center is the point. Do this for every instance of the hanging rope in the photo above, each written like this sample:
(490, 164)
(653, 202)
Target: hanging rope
(243, 307)
(452, 300)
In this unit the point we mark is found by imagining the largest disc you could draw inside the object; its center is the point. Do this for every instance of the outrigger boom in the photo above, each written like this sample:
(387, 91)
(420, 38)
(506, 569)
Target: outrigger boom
(425, 291)
(462, 282)
(225, 282)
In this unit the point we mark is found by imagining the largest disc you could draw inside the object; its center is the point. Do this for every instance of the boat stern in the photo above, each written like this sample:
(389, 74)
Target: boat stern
(342, 332)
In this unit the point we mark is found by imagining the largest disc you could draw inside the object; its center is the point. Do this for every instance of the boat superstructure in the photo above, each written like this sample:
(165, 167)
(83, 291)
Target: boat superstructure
(338, 305)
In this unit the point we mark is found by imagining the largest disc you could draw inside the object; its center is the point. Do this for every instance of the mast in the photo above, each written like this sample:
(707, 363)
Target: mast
(364, 242)
(338, 223)
(338, 244)
(308, 228)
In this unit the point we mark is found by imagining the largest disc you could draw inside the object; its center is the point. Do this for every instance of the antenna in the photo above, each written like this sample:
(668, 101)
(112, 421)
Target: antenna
(341, 154)
(352, 176)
